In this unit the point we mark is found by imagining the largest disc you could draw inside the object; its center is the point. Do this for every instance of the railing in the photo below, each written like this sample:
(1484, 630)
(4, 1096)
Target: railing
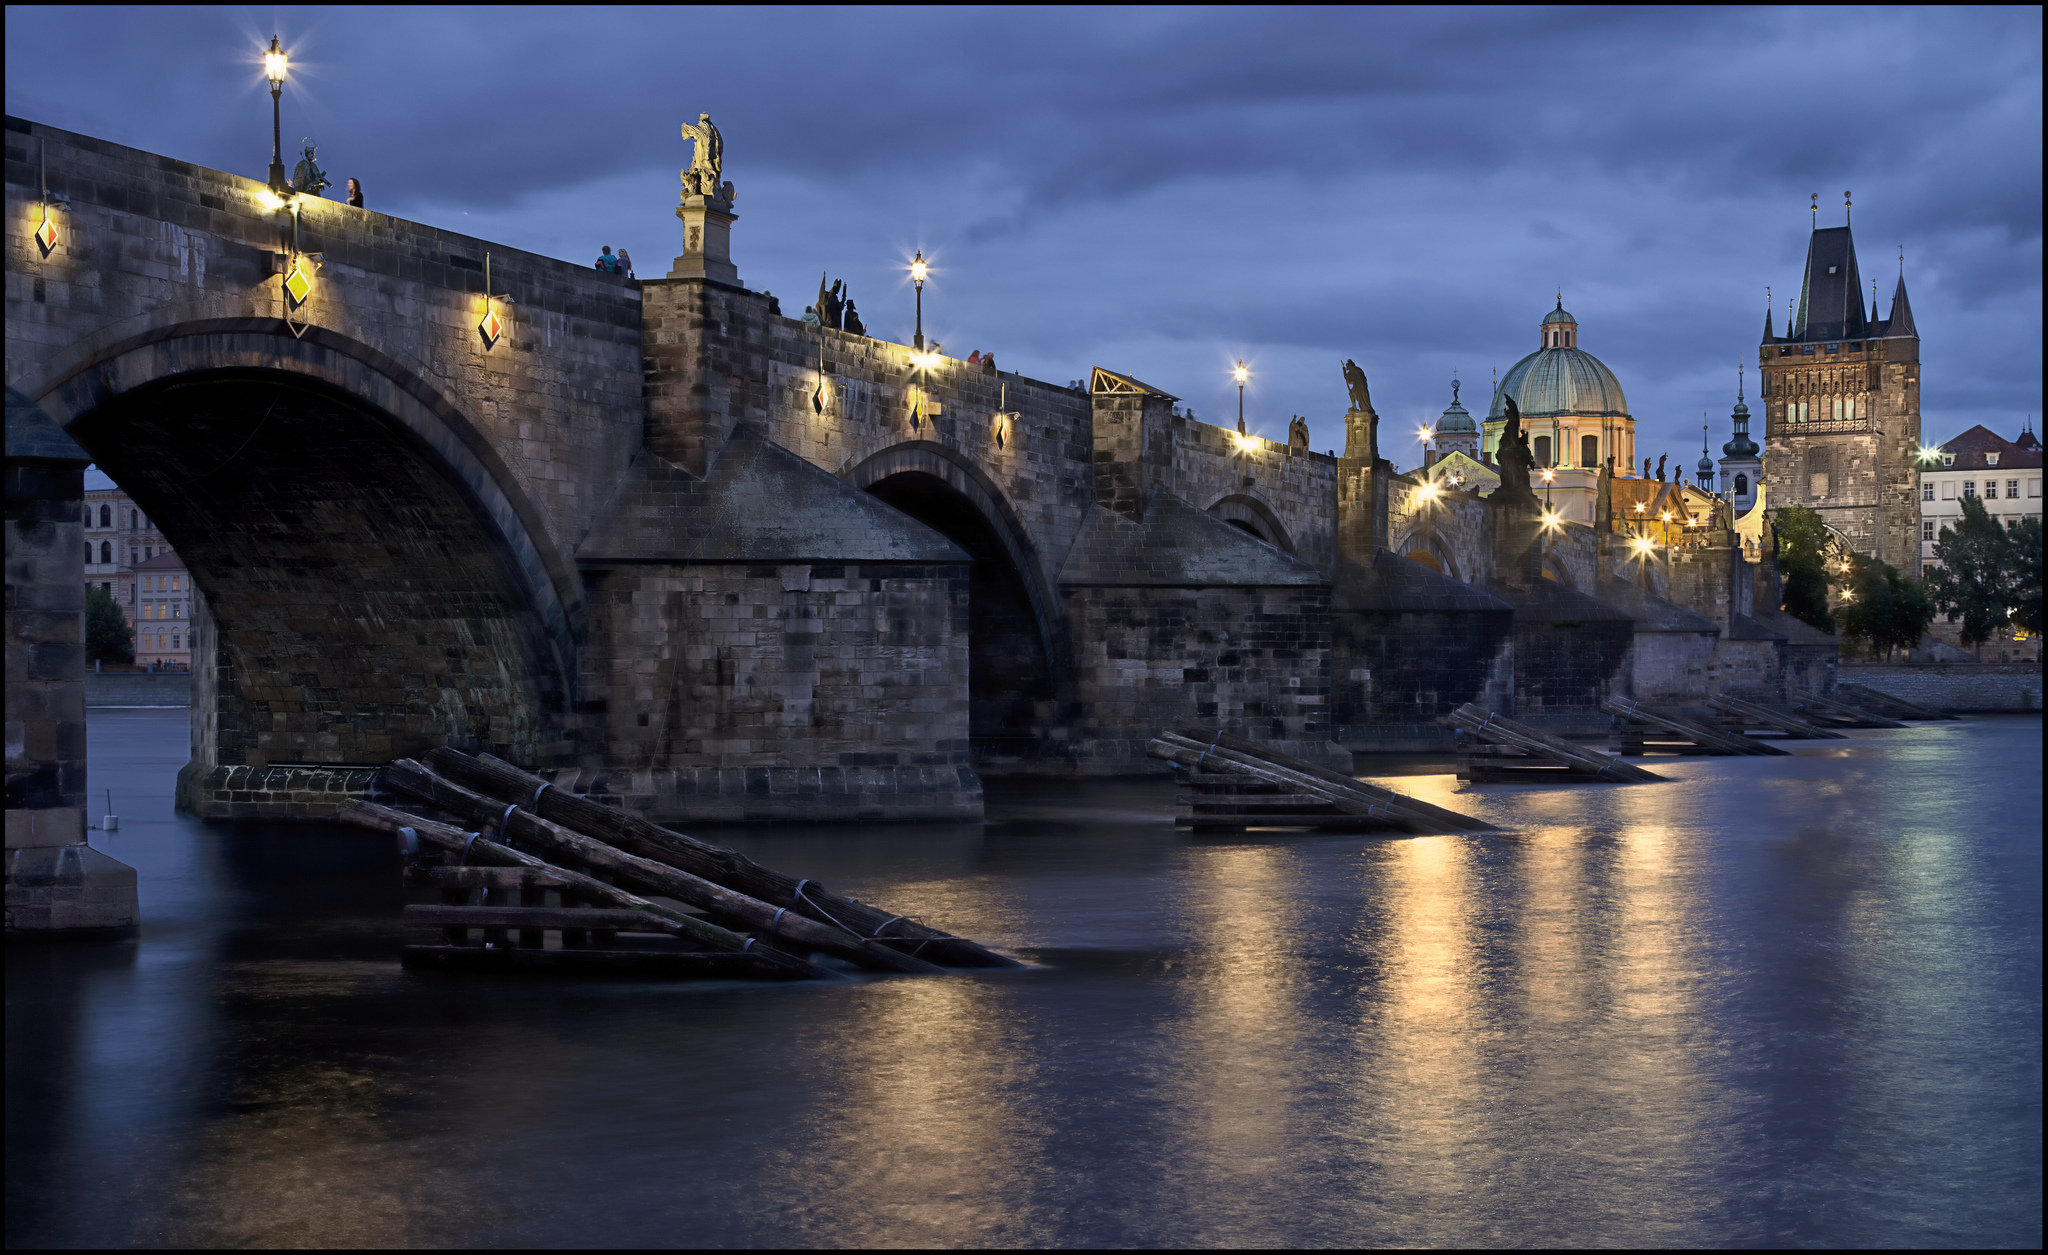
(1782, 428)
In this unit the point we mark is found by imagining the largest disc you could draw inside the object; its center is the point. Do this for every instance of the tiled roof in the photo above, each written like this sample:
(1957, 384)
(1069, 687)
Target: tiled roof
(1970, 447)
(168, 560)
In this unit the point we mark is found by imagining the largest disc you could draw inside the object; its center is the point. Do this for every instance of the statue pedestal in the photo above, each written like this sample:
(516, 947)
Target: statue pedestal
(707, 241)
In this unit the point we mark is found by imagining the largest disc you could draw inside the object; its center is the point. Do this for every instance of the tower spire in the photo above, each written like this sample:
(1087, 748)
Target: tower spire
(1767, 314)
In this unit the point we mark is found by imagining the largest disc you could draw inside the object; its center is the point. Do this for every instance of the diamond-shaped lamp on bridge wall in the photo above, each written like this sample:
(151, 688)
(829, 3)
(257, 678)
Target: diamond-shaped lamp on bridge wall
(46, 234)
(491, 327)
(298, 285)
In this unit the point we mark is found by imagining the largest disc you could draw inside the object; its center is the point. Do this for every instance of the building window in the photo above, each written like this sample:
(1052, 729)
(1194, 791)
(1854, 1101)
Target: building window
(134, 523)
(1742, 485)
(1948, 490)
(2033, 488)
(1838, 409)
(177, 610)
(106, 551)
(106, 516)
(1849, 408)
(1991, 490)
(1927, 530)
(1991, 459)
(2012, 489)
(1927, 491)
(1589, 451)
(1969, 488)
(175, 642)
(1542, 450)
(1948, 459)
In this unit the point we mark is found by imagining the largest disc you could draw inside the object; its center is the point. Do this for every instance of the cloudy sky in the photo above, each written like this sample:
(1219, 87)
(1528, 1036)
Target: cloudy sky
(1161, 192)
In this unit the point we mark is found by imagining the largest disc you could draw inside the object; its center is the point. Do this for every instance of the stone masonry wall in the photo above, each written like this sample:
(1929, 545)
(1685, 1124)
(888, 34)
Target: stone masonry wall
(754, 692)
(1957, 687)
(1252, 661)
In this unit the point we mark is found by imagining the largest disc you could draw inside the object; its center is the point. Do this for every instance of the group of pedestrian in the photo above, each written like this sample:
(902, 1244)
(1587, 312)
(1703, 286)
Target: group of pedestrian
(619, 263)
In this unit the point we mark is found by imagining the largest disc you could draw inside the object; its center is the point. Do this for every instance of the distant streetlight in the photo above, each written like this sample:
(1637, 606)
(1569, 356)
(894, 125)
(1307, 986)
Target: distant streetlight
(274, 62)
(1242, 374)
(917, 274)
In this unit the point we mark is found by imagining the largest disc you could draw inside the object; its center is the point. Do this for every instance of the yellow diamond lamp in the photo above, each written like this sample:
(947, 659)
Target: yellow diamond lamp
(490, 328)
(297, 284)
(46, 236)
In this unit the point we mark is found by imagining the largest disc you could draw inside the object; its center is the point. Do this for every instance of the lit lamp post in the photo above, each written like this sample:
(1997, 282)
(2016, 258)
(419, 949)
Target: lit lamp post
(917, 274)
(274, 62)
(1241, 374)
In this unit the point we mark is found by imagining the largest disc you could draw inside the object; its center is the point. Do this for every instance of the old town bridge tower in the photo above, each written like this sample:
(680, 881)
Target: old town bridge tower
(1841, 402)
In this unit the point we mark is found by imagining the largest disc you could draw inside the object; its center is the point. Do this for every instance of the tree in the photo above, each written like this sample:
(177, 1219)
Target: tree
(108, 638)
(1975, 581)
(1803, 565)
(1881, 608)
(2025, 536)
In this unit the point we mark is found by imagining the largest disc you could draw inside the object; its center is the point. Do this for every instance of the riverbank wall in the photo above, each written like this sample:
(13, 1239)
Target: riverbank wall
(138, 688)
(1960, 687)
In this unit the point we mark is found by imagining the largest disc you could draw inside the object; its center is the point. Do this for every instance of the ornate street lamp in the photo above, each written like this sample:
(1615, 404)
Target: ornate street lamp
(917, 274)
(274, 62)
(1242, 374)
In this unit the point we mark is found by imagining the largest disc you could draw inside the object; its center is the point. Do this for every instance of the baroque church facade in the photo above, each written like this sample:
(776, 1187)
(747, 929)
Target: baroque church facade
(1841, 399)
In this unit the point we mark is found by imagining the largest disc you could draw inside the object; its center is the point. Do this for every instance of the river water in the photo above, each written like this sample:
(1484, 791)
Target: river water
(1776, 1002)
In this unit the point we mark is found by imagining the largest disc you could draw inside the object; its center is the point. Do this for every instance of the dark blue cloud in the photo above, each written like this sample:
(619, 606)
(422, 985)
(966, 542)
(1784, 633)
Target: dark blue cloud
(1163, 190)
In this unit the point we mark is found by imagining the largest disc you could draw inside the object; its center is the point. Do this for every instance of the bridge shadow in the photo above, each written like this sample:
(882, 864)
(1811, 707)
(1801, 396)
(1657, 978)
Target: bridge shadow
(360, 603)
(1012, 671)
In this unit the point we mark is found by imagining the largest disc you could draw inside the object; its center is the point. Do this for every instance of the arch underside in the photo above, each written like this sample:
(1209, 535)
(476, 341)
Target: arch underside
(1249, 514)
(368, 601)
(1015, 629)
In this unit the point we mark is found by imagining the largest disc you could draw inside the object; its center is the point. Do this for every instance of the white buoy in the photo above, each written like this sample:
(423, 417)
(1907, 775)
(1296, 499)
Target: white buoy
(110, 822)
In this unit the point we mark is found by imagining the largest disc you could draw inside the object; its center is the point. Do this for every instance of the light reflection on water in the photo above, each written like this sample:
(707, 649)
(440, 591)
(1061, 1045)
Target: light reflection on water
(1787, 1001)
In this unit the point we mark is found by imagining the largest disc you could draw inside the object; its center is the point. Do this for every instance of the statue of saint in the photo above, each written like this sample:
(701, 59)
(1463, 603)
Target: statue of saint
(1297, 432)
(1513, 457)
(707, 162)
(1660, 468)
(307, 177)
(831, 304)
(1362, 424)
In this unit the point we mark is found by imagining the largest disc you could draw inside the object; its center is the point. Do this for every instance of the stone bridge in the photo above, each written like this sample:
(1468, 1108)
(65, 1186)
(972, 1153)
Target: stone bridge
(678, 549)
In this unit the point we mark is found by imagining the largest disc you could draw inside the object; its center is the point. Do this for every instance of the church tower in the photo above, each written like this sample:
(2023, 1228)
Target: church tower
(1841, 402)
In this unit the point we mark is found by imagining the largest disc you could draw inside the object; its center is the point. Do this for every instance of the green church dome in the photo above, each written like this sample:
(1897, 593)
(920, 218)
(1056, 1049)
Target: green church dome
(1560, 380)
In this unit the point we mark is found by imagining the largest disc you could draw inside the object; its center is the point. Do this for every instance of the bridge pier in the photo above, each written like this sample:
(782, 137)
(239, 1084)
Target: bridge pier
(56, 883)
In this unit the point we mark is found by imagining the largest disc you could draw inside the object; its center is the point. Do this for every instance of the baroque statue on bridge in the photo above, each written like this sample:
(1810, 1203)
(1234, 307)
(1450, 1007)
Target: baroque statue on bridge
(707, 163)
(308, 179)
(1363, 420)
(1513, 458)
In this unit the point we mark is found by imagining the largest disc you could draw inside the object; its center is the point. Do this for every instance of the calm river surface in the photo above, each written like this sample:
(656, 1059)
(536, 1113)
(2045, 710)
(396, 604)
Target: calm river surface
(1778, 1002)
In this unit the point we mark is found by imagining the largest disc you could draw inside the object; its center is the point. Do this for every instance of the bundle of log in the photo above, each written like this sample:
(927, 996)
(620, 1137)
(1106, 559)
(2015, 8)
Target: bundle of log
(1503, 750)
(609, 872)
(1885, 703)
(1828, 713)
(1650, 730)
(1745, 717)
(1275, 790)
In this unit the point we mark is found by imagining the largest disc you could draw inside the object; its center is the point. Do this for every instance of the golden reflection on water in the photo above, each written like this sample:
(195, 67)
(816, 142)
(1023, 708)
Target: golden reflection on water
(1421, 1103)
(916, 1138)
(1237, 1051)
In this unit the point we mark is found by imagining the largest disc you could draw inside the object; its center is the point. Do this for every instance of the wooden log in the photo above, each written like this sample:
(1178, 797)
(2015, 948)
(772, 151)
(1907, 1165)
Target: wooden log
(1751, 713)
(1885, 701)
(523, 828)
(1699, 733)
(504, 783)
(1501, 730)
(1853, 714)
(542, 877)
(476, 848)
(1351, 797)
(687, 965)
(539, 917)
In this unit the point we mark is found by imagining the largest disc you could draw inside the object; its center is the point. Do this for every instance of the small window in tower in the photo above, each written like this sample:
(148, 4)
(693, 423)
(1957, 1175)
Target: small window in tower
(1831, 270)
(1742, 485)
(1849, 409)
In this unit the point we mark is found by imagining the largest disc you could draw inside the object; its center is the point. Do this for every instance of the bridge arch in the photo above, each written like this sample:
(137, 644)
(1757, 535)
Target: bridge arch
(1425, 547)
(379, 582)
(1248, 513)
(1016, 623)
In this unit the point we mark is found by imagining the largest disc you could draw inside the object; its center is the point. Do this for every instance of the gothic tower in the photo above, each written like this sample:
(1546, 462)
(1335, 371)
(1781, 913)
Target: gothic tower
(1841, 403)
